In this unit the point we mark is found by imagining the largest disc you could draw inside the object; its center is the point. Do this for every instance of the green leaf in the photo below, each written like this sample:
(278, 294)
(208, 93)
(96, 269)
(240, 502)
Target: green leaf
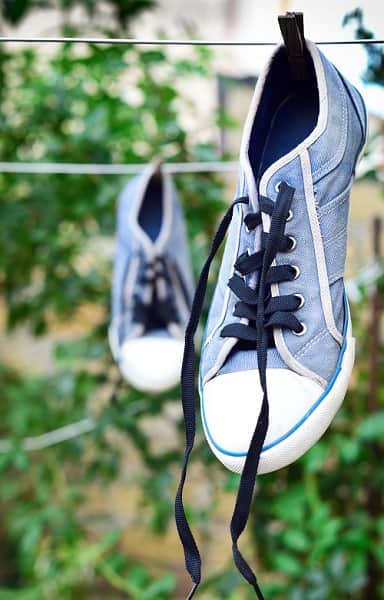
(296, 540)
(348, 449)
(372, 428)
(287, 564)
(159, 589)
(315, 459)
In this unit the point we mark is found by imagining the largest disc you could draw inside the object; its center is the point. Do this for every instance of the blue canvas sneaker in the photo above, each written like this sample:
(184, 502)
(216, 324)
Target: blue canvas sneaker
(152, 284)
(278, 349)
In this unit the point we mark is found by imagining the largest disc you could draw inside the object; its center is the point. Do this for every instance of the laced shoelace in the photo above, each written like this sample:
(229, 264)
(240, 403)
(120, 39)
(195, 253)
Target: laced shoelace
(263, 313)
(156, 307)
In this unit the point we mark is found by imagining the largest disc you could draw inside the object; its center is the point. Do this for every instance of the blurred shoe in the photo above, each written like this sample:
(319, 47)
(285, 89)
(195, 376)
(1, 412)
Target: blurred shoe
(152, 283)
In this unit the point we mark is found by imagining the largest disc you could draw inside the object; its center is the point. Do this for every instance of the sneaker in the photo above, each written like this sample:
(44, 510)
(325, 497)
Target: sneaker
(152, 284)
(284, 265)
(278, 349)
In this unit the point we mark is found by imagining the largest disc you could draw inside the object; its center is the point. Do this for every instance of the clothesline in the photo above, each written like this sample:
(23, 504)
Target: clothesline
(168, 42)
(116, 169)
(64, 168)
(63, 434)
(50, 438)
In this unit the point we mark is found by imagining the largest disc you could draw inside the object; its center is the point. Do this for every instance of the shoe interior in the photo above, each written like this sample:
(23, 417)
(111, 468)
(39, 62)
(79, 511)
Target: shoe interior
(151, 211)
(287, 113)
(150, 219)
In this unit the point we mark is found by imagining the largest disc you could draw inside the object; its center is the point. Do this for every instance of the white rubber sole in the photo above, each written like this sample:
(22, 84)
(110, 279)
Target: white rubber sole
(314, 423)
(151, 364)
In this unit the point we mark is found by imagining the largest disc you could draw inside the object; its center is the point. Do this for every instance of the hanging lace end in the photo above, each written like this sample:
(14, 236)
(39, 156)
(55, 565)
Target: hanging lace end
(193, 590)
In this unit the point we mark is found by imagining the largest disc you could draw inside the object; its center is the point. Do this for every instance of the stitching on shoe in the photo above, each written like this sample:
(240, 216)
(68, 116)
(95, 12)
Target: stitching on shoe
(328, 241)
(311, 342)
(320, 172)
(335, 202)
(338, 275)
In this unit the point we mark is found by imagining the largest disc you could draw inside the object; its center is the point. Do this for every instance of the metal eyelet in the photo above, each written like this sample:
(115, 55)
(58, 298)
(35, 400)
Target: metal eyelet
(297, 272)
(294, 243)
(302, 331)
(277, 186)
(302, 300)
(290, 216)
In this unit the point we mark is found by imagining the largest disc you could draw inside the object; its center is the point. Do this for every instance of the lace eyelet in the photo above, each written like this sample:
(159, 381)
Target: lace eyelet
(302, 331)
(293, 243)
(290, 216)
(277, 186)
(297, 272)
(302, 300)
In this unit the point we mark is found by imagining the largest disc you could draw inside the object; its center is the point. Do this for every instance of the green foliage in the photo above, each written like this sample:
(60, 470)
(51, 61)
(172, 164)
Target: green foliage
(70, 109)
(94, 104)
(13, 11)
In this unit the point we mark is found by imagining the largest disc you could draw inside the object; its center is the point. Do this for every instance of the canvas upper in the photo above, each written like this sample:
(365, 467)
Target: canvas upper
(311, 140)
(152, 282)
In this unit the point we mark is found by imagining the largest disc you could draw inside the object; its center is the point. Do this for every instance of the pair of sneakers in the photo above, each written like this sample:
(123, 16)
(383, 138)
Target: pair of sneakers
(278, 349)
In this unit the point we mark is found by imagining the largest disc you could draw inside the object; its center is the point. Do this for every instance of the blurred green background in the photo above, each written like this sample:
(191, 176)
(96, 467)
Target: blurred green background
(92, 517)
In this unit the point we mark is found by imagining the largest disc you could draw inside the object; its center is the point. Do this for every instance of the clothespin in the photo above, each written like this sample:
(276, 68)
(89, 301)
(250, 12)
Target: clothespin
(292, 29)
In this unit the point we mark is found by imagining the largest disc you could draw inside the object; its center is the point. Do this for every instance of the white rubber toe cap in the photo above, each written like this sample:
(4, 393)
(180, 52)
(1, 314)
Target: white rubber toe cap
(299, 413)
(151, 364)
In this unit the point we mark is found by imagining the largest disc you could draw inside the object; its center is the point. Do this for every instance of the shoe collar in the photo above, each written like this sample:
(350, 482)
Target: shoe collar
(295, 152)
(157, 247)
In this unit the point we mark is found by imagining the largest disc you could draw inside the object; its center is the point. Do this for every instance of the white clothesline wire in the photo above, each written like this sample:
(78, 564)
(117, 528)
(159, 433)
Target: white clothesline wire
(168, 42)
(64, 168)
(62, 434)
(116, 169)
(367, 276)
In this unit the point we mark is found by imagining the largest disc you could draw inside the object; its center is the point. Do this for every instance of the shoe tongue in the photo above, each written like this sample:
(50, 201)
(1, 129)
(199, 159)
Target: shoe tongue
(290, 172)
(246, 360)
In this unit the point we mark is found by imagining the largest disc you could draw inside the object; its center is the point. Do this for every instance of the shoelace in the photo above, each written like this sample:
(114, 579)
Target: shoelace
(158, 308)
(263, 312)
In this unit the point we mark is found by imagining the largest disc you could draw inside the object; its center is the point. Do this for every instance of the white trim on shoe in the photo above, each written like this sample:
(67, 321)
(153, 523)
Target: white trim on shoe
(325, 292)
(316, 132)
(313, 136)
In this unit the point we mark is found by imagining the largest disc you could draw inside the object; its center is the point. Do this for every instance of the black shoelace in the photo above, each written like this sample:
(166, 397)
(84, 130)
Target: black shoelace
(159, 309)
(263, 313)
